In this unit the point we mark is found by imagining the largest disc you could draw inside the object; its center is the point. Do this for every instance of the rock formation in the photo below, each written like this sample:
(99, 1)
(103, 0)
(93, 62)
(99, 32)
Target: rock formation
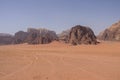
(20, 37)
(111, 34)
(40, 36)
(81, 35)
(77, 35)
(5, 39)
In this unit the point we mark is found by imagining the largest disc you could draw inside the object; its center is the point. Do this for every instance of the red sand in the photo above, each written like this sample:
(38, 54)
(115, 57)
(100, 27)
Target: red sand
(59, 61)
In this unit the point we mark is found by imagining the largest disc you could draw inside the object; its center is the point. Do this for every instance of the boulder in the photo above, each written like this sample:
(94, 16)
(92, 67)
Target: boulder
(81, 35)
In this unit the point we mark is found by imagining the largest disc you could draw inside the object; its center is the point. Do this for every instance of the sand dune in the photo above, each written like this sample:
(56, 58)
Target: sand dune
(59, 61)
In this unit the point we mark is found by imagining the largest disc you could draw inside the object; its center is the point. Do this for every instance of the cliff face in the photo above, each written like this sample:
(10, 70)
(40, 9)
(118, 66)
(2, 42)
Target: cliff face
(111, 34)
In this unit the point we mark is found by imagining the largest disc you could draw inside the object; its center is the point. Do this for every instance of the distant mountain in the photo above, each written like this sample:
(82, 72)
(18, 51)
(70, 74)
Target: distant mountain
(5, 38)
(111, 34)
(5, 34)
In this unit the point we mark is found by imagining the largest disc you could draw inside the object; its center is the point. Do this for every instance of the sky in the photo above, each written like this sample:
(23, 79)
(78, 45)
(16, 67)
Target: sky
(57, 15)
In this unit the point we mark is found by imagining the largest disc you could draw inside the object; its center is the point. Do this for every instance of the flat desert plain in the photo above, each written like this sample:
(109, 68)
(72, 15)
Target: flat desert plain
(59, 61)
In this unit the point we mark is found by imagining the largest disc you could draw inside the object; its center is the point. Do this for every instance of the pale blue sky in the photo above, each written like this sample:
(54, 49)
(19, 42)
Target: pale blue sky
(57, 15)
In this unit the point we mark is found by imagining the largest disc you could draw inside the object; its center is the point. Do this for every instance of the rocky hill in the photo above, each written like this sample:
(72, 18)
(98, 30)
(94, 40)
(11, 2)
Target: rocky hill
(111, 34)
(81, 35)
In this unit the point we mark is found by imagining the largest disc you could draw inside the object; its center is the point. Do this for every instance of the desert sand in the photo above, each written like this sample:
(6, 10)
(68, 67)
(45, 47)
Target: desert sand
(59, 61)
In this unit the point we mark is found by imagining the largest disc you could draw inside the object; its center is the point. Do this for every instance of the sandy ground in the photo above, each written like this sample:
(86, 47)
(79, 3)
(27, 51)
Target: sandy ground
(58, 61)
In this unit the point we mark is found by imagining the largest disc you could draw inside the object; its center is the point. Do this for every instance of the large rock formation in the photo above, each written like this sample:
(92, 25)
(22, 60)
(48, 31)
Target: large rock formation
(40, 36)
(111, 34)
(20, 37)
(82, 35)
(34, 36)
(5, 39)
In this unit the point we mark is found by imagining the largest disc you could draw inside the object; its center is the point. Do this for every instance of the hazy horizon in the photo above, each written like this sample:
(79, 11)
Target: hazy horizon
(57, 15)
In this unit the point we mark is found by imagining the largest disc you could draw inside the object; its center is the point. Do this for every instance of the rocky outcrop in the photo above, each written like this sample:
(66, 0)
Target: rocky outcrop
(20, 37)
(40, 36)
(34, 36)
(64, 36)
(111, 34)
(77, 35)
(81, 35)
(5, 39)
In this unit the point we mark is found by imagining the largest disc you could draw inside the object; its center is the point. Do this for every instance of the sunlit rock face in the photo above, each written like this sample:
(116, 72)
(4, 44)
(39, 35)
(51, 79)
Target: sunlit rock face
(111, 34)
